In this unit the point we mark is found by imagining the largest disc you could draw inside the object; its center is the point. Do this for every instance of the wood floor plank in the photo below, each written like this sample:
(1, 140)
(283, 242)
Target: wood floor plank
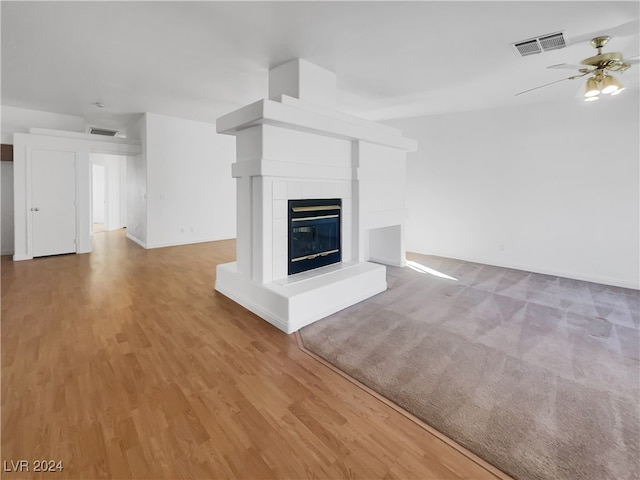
(126, 364)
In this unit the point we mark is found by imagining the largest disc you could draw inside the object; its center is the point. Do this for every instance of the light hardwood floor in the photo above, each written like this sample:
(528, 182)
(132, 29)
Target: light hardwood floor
(125, 363)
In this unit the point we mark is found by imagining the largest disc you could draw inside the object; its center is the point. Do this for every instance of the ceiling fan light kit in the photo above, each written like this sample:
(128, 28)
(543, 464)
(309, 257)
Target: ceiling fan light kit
(610, 84)
(602, 83)
(592, 89)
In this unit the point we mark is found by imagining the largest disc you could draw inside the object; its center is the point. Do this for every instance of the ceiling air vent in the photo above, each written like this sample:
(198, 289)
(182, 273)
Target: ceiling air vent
(528, 47)
(103, 131)
(552, 41)
(544, 43)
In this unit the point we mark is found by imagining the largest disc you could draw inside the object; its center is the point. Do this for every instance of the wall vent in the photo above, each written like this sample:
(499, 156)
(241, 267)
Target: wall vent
(544, 43)
(103, 131)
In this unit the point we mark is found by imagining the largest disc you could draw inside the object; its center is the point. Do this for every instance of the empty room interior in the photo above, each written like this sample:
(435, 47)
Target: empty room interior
(320, 240)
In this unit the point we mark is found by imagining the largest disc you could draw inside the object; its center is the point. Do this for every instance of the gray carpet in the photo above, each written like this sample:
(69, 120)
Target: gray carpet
(538, 375)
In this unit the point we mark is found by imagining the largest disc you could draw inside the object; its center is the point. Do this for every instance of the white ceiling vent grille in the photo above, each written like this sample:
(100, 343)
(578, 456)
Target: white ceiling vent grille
(103, 131)
(552, 42)
(528, 47)
(544, 43)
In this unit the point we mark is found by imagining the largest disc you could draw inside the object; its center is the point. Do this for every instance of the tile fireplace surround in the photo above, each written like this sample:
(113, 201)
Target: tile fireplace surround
(295, 146)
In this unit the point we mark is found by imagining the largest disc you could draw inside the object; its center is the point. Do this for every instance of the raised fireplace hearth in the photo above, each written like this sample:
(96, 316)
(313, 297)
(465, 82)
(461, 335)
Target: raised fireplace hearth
(320, 201)
(314, 234)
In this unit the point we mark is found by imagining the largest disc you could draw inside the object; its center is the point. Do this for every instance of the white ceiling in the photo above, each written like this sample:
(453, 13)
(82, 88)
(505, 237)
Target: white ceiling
(199, 60)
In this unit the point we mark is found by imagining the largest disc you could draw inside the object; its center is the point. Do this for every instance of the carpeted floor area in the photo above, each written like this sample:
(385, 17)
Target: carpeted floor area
(538, 375)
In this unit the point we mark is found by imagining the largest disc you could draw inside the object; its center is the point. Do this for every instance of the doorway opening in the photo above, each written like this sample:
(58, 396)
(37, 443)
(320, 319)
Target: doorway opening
(108, 192)
(98, 187)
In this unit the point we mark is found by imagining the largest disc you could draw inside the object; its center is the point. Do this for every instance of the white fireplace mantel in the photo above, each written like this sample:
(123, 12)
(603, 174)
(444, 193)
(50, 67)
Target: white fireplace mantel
(291, 147)
(299, 115)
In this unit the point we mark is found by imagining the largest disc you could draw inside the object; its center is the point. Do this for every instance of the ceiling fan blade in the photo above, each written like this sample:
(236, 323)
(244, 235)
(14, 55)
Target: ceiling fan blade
(632, 60)
(624, 29)
(551, 83)
(567, 66)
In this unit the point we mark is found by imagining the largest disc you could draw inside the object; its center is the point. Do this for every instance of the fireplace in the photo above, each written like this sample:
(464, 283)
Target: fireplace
(314, 233)
(315, 187)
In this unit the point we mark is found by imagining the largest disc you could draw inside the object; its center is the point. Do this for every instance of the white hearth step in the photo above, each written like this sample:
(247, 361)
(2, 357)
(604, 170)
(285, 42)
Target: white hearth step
(299, 300)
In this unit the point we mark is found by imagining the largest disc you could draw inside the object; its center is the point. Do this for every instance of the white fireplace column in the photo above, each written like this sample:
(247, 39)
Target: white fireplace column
(297, 146)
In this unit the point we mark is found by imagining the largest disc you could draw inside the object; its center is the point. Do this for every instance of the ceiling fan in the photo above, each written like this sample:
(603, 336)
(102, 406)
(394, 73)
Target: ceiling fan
(599, 67)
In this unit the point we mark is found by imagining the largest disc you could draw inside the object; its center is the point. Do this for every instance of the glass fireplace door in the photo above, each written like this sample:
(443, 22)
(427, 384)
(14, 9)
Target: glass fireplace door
(314, 236)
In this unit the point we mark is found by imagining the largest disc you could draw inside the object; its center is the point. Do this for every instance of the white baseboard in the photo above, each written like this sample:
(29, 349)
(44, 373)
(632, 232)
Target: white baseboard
(388, 261)
(557, 273)
(136, 240)
(188, 242)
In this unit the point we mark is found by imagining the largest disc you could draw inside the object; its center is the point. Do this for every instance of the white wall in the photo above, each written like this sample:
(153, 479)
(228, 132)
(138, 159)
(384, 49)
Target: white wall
(20, 120)
(6, 194)
(136, 177)
(191, 194)
(550, 188)
(382, 174)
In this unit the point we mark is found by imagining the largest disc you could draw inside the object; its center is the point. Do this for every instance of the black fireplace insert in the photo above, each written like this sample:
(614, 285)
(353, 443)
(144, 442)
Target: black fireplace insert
(314, 233)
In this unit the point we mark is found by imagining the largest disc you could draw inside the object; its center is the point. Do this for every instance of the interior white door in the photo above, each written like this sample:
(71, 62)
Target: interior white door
(53, 202)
